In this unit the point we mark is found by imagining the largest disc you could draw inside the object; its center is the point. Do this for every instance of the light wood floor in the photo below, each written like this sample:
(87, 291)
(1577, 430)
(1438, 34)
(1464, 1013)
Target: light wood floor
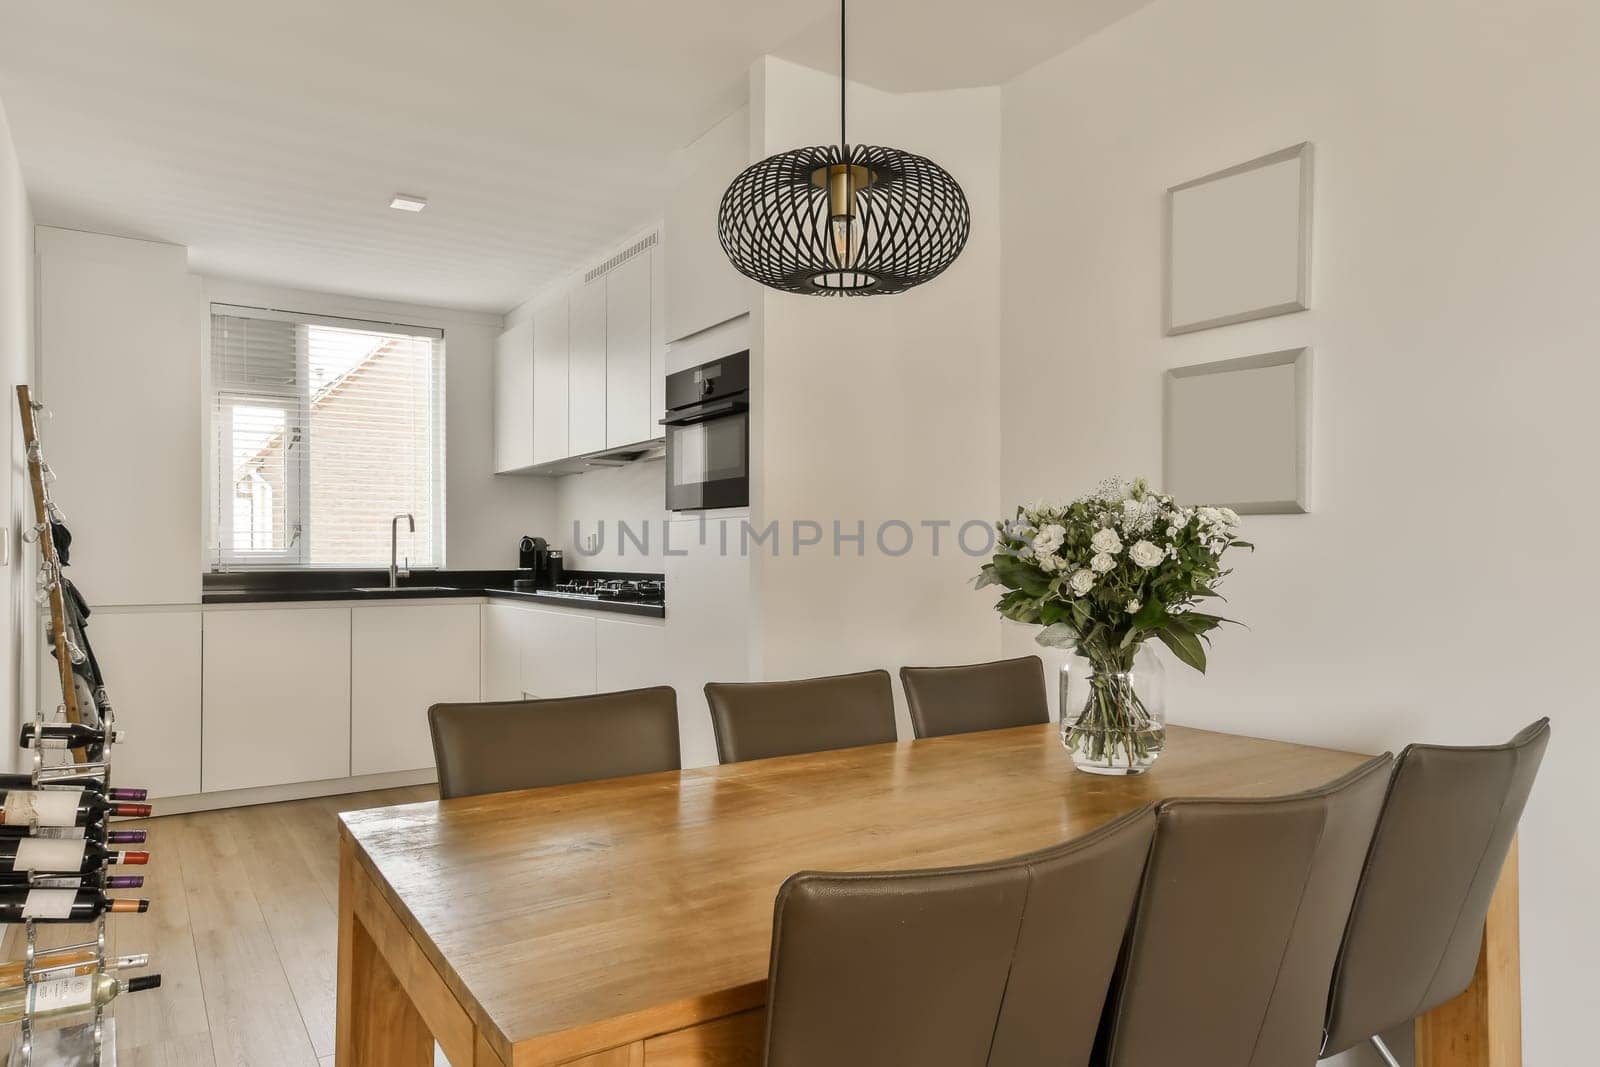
(242, 928)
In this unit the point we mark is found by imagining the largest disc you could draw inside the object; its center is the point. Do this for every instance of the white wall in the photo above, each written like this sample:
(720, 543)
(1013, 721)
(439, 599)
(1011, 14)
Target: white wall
(875, 409)
(1440, 588)
(634, 494)
(19, 631)
(485, 514)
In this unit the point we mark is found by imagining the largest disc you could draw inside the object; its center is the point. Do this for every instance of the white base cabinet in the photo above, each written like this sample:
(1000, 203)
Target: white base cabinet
(151, 662)
(630, 654)
(557, 654)
(403, 660)
(276, 693)
(534, 653)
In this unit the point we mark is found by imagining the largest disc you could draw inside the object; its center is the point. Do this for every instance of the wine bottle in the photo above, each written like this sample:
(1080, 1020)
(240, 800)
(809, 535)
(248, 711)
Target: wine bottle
(72, 959)
(94, 832)
(65, 735)
(61, 807)
(63, 855)
(63, 905)
(67, 996)
(86, 880)
(85, 782)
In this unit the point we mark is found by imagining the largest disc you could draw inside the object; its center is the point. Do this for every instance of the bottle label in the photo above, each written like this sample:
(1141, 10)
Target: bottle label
(47, 807)
(49, 904)
(44, 854)
(61, 995)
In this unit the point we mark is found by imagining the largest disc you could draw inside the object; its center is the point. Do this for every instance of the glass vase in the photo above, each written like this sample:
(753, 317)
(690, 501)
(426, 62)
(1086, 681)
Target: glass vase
(1113, 712)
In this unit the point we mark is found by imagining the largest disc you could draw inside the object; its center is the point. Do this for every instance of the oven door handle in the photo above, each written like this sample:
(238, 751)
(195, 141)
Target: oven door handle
(702, 412)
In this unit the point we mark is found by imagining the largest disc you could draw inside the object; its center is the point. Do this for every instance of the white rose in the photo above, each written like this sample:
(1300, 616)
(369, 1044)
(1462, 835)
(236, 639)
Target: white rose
(1081, 582)
(1229, 516)
(1049, 538)
(1106, 541)
(1049, 562)
(1102, 563)
(1146, 554)
(1024, 552)
(1210, 516)
(1133, 606)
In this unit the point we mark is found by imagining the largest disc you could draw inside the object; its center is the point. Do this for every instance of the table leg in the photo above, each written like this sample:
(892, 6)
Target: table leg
(1483, 1026)
(378, 1026)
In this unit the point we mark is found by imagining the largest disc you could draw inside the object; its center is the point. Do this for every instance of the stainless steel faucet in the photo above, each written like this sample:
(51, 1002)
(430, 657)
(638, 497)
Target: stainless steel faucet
(397, 571)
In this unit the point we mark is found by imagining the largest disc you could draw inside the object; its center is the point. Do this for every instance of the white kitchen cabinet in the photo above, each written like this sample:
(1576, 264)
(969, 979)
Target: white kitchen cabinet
(630, 654)
(550, 356)
(276, 697)
(502, 627)
(586, 387)
(702, 287)
(628, 351)
(558, 654)
(707, 633)
(151, 663)
(404, 659)
(513, 398)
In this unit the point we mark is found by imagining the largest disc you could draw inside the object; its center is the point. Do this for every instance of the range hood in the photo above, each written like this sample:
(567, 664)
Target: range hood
(606, 458)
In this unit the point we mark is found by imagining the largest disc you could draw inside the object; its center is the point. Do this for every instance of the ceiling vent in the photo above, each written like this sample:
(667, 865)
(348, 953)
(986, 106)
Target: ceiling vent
(639, 247)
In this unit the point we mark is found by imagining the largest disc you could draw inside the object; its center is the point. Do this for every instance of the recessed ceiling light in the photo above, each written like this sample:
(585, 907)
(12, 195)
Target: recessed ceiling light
(402, 202)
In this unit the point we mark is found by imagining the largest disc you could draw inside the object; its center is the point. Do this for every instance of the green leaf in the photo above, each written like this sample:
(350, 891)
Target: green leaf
(1059, 635)
(1053, 611)
(987, 576)
(1152, 615)
(1185, 645)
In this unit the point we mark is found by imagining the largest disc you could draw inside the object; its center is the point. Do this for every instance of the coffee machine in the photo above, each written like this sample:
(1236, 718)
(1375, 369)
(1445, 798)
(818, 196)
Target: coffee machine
(535, 554)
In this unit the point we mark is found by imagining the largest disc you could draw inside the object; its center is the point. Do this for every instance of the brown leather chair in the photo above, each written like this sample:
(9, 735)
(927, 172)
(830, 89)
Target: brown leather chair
(1003, 964)
(523, 744)
(1417, 923)
(1232, 946)
(757, 720)
(981, 696)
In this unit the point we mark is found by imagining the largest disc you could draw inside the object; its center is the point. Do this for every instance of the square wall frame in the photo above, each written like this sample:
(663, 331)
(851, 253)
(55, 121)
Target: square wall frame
(1238, 243)
(1237, 433)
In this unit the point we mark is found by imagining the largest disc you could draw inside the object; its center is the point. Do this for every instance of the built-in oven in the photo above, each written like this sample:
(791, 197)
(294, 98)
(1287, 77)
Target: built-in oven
(708, 435)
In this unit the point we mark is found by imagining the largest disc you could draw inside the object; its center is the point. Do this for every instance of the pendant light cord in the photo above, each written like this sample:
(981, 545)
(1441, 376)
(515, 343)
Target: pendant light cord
(842, 140)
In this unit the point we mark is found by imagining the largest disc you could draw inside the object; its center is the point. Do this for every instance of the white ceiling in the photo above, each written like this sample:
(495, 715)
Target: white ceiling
(269, 137)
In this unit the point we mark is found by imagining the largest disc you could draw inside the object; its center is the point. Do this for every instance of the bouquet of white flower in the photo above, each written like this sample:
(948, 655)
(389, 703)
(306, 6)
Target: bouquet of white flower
(1107, 572)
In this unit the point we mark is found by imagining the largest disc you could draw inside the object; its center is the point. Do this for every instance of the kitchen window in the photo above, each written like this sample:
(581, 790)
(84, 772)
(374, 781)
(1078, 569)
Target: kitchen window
(323, 429)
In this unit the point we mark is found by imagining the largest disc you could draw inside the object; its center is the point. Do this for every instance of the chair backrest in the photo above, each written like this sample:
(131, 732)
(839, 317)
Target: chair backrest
(1239, 920)
(1003, 964)
(755, 720)
(524, 744)
(981, 696)
(1417, 922)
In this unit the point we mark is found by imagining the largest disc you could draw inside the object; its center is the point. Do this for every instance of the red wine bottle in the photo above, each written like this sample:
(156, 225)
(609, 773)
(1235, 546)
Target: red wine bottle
(85, 782)
(94, 832)
(63, 905)
(63, 855)
(61, 807)
(65, 735)
(89, 880)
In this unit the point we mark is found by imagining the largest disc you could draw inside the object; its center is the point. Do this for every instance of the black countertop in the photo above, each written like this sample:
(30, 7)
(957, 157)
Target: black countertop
(267, 587)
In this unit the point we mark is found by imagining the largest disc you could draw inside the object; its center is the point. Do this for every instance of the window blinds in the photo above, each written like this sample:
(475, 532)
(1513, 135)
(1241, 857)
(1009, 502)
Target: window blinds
(324, 430)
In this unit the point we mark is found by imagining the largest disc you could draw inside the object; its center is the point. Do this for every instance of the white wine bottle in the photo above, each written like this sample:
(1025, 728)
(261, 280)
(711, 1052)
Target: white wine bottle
(67, 996)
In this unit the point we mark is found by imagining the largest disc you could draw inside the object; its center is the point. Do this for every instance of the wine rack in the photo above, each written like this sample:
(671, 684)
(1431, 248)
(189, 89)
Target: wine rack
(68, 982)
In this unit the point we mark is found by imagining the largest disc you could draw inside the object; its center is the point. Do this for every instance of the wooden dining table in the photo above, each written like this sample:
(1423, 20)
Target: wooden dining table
(627, 922)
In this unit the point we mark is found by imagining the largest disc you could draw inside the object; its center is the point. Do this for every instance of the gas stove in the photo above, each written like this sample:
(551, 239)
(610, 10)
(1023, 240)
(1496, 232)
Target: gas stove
(639, 590)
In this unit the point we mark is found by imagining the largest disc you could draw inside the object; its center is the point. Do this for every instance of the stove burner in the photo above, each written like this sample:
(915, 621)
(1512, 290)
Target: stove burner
(614, 589)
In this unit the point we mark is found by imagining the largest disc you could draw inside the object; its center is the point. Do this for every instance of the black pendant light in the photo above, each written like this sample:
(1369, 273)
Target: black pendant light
(845, 220)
